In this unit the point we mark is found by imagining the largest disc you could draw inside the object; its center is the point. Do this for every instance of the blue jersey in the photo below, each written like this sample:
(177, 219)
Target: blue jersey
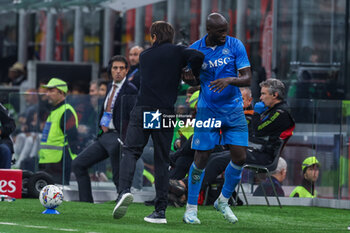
(221, 62)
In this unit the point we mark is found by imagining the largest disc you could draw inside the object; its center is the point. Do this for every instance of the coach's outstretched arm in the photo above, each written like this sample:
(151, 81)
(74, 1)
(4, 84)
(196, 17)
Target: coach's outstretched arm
(195, 59)
(190, 74)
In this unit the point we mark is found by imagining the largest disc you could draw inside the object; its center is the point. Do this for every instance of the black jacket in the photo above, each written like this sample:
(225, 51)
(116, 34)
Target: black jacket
(270, 126)
(248, 113)
(122, 106)
(7, 127)
(134, 75)
(160, 70)
(268, 188)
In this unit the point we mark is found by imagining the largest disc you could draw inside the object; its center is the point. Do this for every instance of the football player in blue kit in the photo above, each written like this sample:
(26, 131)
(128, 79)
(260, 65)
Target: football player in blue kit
(226, 68)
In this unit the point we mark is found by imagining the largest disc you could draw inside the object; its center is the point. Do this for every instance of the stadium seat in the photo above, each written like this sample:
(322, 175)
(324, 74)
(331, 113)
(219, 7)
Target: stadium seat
(258, 169)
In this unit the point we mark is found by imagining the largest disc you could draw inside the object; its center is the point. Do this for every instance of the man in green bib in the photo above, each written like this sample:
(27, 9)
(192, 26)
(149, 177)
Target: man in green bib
(310, 167)
(59, 138)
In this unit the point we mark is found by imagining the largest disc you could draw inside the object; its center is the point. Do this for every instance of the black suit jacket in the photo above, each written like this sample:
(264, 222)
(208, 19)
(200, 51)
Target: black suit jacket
(160, 72)
(135, 78)
(122, 107)
(7, 127)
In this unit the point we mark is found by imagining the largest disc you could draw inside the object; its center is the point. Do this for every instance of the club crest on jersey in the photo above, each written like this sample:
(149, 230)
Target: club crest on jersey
(197, 141)
(225, 51)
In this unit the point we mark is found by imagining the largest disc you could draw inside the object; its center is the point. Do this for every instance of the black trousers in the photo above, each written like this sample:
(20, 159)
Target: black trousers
(105, 146)
(216, 165)
(218, 162)
(258, 157)
(182, 166)
(136, 140)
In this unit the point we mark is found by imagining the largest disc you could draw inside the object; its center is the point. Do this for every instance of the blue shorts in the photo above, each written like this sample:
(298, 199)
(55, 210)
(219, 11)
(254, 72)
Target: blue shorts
(234, 131)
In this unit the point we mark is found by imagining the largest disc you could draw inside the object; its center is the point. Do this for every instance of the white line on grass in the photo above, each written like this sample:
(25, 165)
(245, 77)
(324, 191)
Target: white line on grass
(8, 223)
(64, 229)
(38, 227)
(33, 226)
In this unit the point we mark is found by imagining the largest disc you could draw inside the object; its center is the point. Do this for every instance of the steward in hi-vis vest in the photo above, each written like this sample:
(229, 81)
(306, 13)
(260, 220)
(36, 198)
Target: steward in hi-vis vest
(310, 167)
(57, 145)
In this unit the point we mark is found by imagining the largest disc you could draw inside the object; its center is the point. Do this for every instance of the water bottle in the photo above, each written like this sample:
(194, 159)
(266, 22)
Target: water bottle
(7, 198)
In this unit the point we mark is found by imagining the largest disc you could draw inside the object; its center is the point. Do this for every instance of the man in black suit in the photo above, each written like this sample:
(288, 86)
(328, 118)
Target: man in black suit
(113, 119)
(161, 67)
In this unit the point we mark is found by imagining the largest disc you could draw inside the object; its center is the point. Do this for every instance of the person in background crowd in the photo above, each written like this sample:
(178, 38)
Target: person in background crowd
(134, 72)
(106, 145)
(247, 106)
(16, 74)
(93, 93)
(58, 145)
(277, 177)
(27, 141)
(310, 168)
(6, 146)
(272, 123)
(104, 74)
(102, 88)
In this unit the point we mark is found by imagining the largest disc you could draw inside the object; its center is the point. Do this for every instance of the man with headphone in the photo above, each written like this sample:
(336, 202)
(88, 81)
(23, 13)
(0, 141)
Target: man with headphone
(119, 100)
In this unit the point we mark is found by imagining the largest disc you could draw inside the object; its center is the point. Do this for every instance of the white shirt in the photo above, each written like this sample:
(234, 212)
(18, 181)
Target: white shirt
(119, 86)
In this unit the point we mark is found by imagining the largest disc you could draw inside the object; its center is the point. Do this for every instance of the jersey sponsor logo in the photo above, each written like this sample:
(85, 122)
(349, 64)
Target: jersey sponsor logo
(219, 62)
(204, 65)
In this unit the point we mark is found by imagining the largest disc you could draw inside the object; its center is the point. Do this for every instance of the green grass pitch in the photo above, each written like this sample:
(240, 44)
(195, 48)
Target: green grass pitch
(24, 216)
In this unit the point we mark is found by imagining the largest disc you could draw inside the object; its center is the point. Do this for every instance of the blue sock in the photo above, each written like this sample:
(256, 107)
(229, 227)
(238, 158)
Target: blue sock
(195, 178)
(233, 174)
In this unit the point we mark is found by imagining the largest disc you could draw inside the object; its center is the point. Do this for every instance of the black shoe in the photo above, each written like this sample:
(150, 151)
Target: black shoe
(124, 199)
(156, 217)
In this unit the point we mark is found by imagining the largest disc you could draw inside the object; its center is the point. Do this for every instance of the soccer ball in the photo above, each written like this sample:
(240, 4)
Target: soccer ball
(51, 196)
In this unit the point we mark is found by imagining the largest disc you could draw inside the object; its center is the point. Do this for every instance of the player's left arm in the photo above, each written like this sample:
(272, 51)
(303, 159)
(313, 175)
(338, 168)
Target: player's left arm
(245, 76)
